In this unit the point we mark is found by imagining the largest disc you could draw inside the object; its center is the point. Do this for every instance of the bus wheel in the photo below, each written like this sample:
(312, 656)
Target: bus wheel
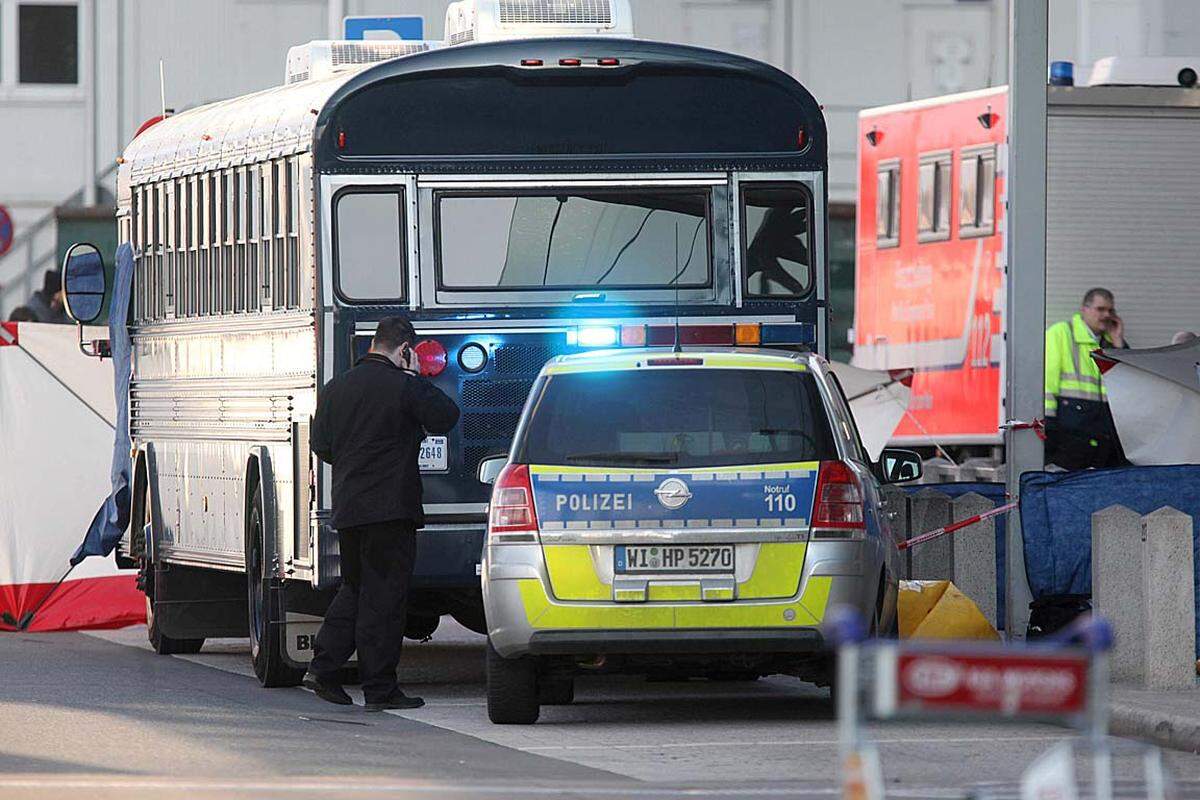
(163, 645)
(419, 627)
(512, 689)
(266, 639)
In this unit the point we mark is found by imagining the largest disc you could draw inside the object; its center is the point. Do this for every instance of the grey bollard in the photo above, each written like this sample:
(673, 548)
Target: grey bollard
(1117, 591)
(895, 508)
(933, 560)
(1170, 600)
(975, 554)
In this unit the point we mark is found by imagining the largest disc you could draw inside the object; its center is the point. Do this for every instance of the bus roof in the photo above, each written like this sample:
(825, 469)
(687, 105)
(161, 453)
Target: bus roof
(656, 108)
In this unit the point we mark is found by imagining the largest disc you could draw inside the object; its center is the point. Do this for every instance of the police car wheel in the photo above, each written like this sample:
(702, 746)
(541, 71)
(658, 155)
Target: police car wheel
(266, 639)
(556, 690)
(512, 689)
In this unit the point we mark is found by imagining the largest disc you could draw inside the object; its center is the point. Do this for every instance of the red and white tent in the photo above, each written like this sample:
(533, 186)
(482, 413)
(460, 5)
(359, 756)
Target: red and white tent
(56, 437)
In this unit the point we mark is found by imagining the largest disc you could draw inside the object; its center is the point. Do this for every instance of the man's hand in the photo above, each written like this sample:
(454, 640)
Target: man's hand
(1116, 330)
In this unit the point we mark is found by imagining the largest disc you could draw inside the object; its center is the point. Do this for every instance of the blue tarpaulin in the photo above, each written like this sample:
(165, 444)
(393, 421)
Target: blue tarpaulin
(1056, 516)
(113, 517)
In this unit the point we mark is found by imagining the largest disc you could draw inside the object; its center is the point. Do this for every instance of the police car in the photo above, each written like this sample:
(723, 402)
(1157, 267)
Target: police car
(685, 513)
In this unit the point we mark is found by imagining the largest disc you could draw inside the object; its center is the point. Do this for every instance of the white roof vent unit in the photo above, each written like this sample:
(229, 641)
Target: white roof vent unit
(1146, 71)
(320, 59)
(495, 20)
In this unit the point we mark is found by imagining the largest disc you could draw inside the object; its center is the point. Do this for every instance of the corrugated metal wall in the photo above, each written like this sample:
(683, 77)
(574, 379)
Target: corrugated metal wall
(1123, 212)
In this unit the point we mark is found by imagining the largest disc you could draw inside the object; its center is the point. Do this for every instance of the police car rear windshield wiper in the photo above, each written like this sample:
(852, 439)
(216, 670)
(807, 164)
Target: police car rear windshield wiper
(626, 458)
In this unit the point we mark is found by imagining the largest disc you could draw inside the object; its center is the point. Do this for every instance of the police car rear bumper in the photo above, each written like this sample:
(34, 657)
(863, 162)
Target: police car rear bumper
(714, 641)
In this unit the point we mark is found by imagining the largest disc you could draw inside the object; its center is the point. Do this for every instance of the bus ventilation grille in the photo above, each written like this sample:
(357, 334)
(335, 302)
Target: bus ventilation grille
(555, 12)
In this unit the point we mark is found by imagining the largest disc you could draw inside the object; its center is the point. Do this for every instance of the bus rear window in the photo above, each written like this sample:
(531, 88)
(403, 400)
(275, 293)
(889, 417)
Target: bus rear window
(369, 241)
(677, 417)
(636, 239)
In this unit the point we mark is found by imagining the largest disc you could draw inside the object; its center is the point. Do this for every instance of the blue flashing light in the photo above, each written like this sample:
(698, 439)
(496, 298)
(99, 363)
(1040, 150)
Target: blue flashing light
(593, 336)
(789, 333)
(1062, 73)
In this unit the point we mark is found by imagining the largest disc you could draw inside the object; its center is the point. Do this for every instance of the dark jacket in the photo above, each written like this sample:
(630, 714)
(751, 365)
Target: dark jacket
(369, 426)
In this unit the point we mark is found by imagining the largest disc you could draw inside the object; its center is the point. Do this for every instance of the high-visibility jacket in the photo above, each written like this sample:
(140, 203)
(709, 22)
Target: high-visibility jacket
(1070, 371)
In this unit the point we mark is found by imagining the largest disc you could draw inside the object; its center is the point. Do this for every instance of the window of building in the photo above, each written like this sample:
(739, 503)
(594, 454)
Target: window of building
(977, 192)
(933, 198)
(777, 240)
(887, 204)
(47, 43)
(369, 244)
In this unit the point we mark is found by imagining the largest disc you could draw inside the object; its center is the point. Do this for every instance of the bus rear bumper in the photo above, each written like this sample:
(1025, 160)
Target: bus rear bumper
(448, 556)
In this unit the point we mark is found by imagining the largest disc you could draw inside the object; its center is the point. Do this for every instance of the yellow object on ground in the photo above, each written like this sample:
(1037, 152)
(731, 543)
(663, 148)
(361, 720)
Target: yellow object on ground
(938, 610)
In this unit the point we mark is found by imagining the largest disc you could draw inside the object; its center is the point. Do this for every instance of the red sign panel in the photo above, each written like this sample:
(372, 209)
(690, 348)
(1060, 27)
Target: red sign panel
(1010, 684)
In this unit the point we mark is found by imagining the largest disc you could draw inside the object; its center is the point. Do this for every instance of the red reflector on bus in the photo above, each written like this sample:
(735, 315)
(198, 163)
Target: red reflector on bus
(531, 62)
(608, 62)
(432, 357)
(569, 62)
(341, 140)
(674, 362)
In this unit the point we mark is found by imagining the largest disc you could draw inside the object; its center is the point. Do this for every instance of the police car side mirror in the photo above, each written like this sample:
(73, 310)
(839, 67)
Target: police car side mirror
(897, 466)
(489, 469)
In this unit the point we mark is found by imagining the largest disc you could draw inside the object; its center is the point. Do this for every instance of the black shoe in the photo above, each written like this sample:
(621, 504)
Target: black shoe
(329, 692)
(396, 700)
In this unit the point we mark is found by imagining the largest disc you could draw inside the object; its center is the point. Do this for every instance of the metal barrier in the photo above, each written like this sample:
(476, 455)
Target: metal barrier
(1063, 679)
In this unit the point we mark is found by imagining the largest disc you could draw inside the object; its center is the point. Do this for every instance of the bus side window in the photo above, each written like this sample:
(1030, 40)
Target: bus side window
(777, 239)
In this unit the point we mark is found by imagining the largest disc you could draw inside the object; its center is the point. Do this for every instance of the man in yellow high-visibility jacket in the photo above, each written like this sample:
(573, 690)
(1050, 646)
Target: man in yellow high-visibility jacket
(1079, 426)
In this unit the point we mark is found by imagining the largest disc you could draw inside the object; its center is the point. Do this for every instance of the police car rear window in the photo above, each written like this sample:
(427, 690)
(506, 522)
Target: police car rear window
(677, 418)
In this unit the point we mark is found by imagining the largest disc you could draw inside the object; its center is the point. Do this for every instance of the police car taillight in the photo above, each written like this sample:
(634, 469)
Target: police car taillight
(838, 508)
(512, 518)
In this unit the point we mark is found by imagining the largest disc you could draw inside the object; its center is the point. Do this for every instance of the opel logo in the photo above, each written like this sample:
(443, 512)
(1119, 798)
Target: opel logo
(673, 493)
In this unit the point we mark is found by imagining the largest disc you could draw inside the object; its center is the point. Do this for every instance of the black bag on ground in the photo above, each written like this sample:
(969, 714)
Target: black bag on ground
(1052, 613)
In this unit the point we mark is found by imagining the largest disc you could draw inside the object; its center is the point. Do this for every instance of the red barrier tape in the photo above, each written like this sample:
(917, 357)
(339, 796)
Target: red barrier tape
(955, 526)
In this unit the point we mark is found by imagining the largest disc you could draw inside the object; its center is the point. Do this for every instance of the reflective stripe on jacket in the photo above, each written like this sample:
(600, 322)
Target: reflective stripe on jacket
(1070, 371)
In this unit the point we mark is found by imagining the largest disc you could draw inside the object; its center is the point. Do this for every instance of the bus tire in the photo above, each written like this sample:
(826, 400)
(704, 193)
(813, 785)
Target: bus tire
(163, 645)
(420, 627)
(512, 689)
(266, 639)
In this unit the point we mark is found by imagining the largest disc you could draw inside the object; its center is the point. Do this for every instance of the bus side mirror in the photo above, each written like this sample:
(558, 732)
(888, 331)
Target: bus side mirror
(84, 283)
(489, 469)
(898, 466)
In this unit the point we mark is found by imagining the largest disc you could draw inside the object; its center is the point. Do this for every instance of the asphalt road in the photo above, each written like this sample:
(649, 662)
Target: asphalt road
(99, 715)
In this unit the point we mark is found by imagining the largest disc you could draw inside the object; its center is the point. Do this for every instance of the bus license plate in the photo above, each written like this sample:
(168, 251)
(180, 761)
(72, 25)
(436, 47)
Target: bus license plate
(434, 455)
(685, 558)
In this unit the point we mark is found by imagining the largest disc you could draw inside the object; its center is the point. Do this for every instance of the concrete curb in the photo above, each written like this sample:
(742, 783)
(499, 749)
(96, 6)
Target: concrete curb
(1166, 730)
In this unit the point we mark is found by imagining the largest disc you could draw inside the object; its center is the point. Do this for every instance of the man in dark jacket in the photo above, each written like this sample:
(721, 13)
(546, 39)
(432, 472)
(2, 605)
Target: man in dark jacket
(369, 425)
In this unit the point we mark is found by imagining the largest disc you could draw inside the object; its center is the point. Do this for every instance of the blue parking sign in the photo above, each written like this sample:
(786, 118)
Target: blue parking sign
(410, 27)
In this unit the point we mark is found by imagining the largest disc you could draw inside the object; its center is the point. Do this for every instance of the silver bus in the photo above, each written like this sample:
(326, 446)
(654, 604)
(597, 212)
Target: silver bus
(519, 199)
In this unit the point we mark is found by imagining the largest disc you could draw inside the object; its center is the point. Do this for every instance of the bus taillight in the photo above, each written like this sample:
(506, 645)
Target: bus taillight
(431, 356)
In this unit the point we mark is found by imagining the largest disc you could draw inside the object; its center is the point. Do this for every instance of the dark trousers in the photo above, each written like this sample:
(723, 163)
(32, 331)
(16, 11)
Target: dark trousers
(368, 613)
